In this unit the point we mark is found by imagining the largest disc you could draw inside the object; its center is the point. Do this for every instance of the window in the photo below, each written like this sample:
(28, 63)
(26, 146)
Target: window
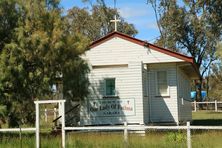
(162, 86)
(110, 87)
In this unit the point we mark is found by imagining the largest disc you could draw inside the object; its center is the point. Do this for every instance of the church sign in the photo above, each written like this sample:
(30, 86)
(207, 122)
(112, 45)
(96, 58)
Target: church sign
(111, 107)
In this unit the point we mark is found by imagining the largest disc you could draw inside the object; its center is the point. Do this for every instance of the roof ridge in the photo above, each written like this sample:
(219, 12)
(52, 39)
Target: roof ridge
(142, 43)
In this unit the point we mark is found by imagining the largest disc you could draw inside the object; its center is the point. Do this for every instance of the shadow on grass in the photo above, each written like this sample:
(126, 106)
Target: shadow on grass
(215, 122)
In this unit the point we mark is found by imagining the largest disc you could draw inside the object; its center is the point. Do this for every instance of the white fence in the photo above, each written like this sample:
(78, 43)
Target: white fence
(50, 112)
(17, 129)
(126, 128)
(208, 105)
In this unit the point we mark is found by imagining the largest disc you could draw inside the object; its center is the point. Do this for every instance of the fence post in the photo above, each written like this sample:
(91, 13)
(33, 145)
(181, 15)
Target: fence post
(63, 124)
(188, 135)
(195, 106)
(20, 136)
(46, 116)
(125, 135)
(37, 124)
(215, 105)
(55, 111)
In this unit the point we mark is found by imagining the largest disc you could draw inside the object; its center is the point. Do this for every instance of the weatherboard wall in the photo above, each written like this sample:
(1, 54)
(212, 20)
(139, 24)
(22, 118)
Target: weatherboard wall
(124, 60)
(128, 86)
(145, 95)
(163, 108)
(120, 51)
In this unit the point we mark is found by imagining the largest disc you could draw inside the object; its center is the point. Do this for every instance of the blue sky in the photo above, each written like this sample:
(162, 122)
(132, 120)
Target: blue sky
(136, 12)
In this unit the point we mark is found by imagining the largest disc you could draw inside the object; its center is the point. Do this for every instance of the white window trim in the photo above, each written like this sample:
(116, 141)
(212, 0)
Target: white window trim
(105, 95)
(168, 88)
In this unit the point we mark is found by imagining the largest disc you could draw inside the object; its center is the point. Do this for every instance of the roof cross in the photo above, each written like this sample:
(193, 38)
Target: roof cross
(115, 21)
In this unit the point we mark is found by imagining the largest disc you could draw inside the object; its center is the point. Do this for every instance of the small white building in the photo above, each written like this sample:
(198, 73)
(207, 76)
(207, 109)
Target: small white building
(136, 82)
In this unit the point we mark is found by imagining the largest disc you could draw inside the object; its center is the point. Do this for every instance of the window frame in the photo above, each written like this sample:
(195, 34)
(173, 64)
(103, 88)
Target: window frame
(158, 94)
(105, 95)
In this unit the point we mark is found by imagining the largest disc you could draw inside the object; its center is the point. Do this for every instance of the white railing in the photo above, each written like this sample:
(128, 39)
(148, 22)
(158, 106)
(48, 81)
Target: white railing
(127, 128)
(17, 129)
(208, 105)
(50, 112)
(20, 130)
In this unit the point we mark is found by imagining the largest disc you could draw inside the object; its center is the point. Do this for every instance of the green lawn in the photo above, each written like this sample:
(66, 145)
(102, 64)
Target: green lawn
(207, 139)
(152, 139)
(207, 118)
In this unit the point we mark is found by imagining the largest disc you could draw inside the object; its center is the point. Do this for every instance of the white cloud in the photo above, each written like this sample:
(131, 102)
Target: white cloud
(129, 12)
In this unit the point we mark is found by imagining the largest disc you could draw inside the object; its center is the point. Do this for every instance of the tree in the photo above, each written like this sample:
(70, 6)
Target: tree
(96, 24)
(215, 82)
(215, 77)
(8, 21)
(189, 27)
(40, 50)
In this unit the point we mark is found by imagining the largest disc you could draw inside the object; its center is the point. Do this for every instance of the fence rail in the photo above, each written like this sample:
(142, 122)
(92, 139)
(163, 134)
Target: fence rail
(143, 128)
(127, 128)
(207, 105)
(16, 129)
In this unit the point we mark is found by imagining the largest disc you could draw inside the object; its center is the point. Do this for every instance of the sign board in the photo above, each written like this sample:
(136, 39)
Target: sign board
(111, 107)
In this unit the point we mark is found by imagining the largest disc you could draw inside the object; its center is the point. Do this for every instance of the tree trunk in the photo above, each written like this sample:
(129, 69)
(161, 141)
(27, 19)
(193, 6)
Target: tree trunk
(199, 95)
(199, 89)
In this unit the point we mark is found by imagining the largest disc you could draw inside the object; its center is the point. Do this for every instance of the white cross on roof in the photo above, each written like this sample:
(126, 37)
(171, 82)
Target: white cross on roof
(115, 21)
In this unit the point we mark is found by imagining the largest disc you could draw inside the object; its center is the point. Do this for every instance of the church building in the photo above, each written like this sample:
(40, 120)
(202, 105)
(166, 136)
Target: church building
(136, 82)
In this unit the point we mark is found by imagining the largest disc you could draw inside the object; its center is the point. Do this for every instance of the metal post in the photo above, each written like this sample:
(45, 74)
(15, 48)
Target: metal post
(125, 135)
(37, 124)
(195, 106)
(215, 105)
(63, 123)
(188, 135)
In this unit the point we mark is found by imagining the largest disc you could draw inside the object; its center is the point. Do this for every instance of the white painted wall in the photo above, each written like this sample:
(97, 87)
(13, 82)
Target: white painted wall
(132, 81)
(128, 85)
(163, 108)
(145, 95)
(184, 88)
(120, 51)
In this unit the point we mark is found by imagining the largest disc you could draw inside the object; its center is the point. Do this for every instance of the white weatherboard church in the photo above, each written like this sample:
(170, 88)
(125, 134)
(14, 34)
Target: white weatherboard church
(136, 82)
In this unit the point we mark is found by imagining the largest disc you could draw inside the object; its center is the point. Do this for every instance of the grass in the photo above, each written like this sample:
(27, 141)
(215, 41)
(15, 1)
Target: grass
(152, 139)
(207, 118)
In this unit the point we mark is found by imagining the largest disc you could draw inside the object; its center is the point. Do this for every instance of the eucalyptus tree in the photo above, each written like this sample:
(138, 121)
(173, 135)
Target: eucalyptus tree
(95, 22)
(190, 27)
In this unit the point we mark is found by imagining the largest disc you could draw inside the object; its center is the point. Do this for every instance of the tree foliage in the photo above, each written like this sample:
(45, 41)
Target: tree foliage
(39, 50)
(39, 46)
(95, 23)
(215, 76)
(191, 27)
(8, 21)
(215, 82)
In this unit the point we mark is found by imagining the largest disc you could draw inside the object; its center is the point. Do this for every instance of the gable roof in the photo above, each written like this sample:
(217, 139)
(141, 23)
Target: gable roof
(145, 44)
